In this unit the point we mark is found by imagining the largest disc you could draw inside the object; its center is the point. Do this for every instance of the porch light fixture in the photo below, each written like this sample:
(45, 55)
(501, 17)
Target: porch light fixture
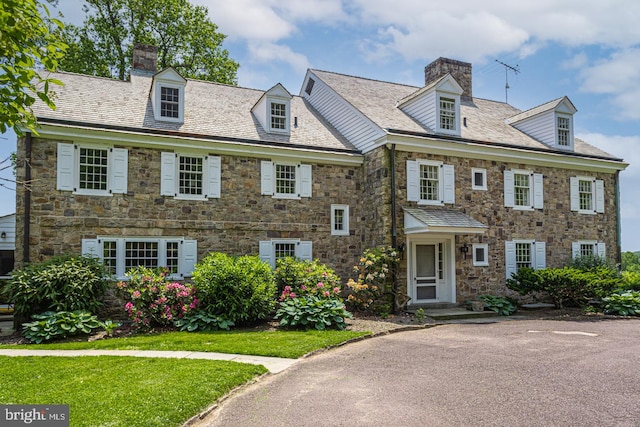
(3, 235)
(464, 249)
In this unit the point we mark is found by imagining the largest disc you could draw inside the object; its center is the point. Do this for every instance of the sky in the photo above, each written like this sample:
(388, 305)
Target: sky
(588, 50)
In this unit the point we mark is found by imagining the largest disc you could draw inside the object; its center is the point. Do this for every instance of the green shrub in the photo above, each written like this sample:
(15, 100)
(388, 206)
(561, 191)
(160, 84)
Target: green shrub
(623, 304)
(372, 289)
(201, 321)
(52, 325)
(312, 312)
(64, 283)
(239, 289)
(630, 280)
(303, 276)
(525, 281)
(590, 263)
(501, 305)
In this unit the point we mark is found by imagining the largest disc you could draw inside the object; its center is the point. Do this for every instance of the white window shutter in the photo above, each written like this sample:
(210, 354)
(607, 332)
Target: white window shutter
(213, 176)
(599, 196)
(91, 248)
(266, 252)
(266, 178)
(541, 255)
(601, 249)
(66, 166)
(305, 180)
(189, 257)
(575, 193)
(303, 251)
(538, 194)
(575, 250)
(449, 183)
(168, 174)
(509, 195)
(119, 170)
(413, 181)
(510, 258)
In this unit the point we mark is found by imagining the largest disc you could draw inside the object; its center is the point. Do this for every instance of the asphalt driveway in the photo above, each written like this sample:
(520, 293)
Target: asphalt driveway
(519, 373)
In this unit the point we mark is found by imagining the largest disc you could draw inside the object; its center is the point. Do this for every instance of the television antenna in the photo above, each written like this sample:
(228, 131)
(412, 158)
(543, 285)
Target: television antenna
(507, 67)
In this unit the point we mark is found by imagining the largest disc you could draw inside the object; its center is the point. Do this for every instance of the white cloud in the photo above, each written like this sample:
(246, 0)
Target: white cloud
(576, 62)
(265, 52)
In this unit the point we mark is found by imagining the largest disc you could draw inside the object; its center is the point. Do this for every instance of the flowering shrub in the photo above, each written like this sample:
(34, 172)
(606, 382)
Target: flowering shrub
(303, 277)
(374, 279)
(152, 301)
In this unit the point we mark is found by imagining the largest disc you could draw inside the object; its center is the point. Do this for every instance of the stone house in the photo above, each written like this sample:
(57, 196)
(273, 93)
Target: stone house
(160, 170)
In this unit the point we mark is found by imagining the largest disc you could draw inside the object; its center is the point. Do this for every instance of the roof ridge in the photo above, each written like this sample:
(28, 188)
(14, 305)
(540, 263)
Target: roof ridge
(365, 78)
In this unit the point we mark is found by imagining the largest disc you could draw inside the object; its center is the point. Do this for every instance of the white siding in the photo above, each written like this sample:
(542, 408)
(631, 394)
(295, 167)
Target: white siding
(541, 127)
(423, 109)
(8, 226)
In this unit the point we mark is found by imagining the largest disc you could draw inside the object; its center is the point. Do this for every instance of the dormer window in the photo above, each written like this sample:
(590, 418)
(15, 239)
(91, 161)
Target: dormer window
(278, 116)
(169, 102)
(167, 96)
(564, 131)
(273, 110)
(447, 114)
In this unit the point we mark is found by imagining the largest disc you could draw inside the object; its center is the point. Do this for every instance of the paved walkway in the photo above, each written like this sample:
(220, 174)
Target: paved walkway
(273, 364)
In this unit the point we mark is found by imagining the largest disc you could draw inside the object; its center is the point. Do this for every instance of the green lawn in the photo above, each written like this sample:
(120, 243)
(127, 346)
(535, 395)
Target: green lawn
(121, 391)
(291, 344)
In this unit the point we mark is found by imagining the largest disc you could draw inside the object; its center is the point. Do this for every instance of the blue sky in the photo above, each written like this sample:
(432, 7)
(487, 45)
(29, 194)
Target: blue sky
(588, 50)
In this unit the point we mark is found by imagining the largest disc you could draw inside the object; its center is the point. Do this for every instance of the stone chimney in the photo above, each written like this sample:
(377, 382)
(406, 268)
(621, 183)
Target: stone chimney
(461, 71)
(145, 59)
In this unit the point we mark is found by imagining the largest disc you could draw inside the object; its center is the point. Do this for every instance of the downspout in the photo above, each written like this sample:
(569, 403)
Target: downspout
(394, 230)
(618, 224)
(27, 199)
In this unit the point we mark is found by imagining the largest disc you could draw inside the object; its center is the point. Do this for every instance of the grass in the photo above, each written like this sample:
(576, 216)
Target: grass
(121, 391)
(290, 344)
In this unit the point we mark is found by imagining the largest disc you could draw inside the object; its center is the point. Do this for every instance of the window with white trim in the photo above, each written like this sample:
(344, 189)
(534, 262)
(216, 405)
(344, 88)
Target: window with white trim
(120, 254)
(523, 189)
(480, 254)
(524, 253)
(448, 114)
(92, 170)
(186, 176)
(587, 195)
(564, 131)
(170, 102)
(430, 182)
(340, 220)
(588, 248)
(285, 180)
(478, 179)
(278, 116)
(272, 250)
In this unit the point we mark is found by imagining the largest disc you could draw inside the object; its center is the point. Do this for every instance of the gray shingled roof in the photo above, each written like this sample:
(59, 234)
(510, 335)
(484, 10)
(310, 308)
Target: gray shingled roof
(211, 110)
(438, 217)
(486, 120)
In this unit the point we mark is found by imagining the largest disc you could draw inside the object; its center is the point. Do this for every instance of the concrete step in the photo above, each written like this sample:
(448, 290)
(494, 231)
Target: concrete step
(458, 314)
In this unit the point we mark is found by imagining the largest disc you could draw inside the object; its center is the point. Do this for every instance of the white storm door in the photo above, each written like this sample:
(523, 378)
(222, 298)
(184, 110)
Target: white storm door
(427, 272)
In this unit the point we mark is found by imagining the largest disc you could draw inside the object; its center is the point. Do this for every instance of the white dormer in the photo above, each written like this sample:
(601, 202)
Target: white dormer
(273, 110)
(550, 123)
(167, 96)
(436, 106)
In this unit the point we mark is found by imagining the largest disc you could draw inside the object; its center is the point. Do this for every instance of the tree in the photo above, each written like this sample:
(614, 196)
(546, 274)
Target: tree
(186, 39)
(31, 46)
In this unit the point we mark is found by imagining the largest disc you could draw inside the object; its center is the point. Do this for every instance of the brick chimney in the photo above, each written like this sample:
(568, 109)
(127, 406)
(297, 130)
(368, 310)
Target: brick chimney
(145, 59)
(461, 71)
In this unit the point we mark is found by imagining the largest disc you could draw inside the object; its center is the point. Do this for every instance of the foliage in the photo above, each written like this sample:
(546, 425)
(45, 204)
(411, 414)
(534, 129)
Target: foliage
(239, 289)
(52, 325)
(623, 303)
(29, 39)
(152, 301)
(525, 281)
(303, 277)
(420, 315)
(186, 39)
(312, 312)
(590, 263)
(630, 262)
(201, 321)
(501, 305)
(630, 280)
(374, 280)
(64, 283)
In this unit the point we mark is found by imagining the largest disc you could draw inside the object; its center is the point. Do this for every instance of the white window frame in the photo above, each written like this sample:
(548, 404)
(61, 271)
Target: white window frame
(484, 247)
(170, 176)
(344, 231)
(537, 251)
(267, 250)
(187, 252)
(456, 112)
(483, 172)
(303, 184)
(569, 130)
(158, 114)
(286, 117)
(68, 169)
(446, 182)
(598, 248)
(536, 189)
(597, 195)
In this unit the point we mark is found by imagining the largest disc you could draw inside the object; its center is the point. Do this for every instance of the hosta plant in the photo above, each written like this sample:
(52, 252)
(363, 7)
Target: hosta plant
(500, 305)
(623, 304)
(202, 321)
(52, 325)
(312, 312)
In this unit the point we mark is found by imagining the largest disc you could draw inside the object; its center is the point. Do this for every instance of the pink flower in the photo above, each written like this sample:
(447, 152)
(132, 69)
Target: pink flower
(336, 290)
(326, 293)
(135, 294)
(292, 295)
(128, 306)
(303, 287)
(320, 285)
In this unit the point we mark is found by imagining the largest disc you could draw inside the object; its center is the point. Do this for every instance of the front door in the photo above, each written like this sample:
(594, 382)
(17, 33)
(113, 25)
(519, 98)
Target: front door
(427, 272)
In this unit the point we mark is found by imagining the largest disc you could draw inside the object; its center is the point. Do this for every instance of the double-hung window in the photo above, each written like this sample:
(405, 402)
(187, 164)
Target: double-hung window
(564, 131)
(340, 220)
(170, 102)
(92, 170)
(168, 96)
(587, 195)
(121, 254)
(187, 176)
(278, 116)
(272, 250)
(430, 182)
(523, 189)
(286, 180)
(524, 253)
(588, 249)
(447, 114)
